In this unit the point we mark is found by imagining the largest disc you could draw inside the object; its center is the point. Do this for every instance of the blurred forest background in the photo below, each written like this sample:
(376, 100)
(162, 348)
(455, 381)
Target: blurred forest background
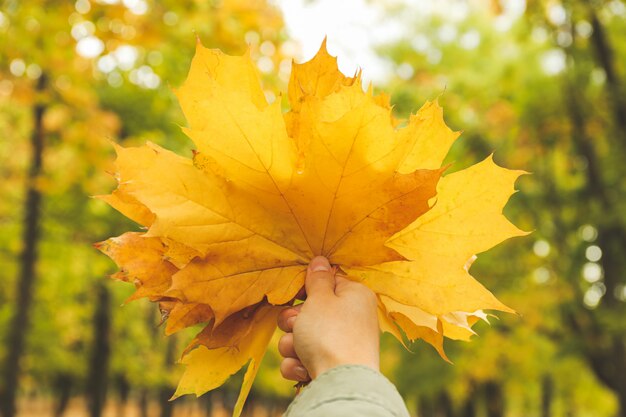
(544, 90)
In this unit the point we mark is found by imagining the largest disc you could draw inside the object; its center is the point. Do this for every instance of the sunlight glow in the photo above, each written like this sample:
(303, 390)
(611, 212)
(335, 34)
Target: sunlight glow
(356, 28)
(541, 248)
(89, 47)
(82, 6)
(4, 22)
(353, 28)
(17, 67)
(138, 7)
(33, 71)
(541, 275)
(593, 253)
(588, 233)
(553, 61)
(470, 39)
(6, 88)
(145, 77)
(592, 272)
(83, 29)
(594, 294)
(126, 56)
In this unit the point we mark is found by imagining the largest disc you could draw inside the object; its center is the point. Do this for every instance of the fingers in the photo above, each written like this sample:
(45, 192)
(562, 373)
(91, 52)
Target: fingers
(293, 370)
(320, 278)
(285, 346)
(287, 318)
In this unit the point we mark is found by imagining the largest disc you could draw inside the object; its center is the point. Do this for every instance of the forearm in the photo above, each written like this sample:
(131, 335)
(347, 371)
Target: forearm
(349, 390)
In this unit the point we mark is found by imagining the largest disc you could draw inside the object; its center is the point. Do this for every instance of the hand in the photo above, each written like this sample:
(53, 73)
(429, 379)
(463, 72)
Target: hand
(336, 325)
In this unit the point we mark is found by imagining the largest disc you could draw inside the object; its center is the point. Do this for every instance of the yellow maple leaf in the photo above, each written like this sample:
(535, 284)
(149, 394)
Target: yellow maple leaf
(231, 230)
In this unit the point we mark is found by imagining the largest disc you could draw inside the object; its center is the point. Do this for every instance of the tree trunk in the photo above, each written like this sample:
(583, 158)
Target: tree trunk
(622, 403)
(424, 407)
(443, 405)
(252, 403)
(229, 399)
(606, 59)
(547, 395)
(609, 364)
(123, 390)
(63, 388)
(494, 398)
(468, 409)
(165, 392)
(28, 259)
(167, 407)
(143, 403)
(99, 364)
(207, 401)
(604, 350)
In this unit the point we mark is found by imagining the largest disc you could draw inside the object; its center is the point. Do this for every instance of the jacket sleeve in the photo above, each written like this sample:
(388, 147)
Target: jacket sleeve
(346, 391)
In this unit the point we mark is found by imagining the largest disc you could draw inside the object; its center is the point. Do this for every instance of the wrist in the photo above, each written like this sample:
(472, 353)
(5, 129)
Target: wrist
(333, 361)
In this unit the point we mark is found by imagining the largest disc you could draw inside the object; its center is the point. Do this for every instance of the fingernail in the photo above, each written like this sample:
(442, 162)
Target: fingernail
(291, 321)
(301, 372)
(319, 263)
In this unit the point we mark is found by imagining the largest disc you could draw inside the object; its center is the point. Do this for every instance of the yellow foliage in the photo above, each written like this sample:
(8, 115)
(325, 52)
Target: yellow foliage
(231, 230)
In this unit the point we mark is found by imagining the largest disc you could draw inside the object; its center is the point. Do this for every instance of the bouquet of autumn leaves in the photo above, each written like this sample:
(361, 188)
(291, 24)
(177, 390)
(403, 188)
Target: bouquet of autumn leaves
(229, 233)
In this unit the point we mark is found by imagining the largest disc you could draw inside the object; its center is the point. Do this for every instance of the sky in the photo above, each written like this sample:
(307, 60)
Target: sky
(356, 27)
(353, 29)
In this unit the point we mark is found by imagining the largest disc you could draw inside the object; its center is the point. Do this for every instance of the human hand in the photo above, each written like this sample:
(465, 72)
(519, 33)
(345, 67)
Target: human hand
(336, 325)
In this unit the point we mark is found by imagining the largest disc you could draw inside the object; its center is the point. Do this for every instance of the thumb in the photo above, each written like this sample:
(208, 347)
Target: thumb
(320, 278)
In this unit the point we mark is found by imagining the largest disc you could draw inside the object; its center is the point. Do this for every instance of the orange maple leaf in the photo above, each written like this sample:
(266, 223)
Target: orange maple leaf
(231, 231)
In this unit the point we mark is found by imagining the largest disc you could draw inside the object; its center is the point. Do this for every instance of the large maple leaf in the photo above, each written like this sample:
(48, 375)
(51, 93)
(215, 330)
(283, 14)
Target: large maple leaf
(231, 230)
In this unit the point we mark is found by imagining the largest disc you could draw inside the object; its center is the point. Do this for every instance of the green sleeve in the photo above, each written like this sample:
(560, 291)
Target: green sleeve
(346, 391)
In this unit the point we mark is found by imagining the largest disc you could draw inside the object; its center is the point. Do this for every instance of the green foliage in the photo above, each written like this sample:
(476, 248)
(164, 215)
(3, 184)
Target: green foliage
(558, 122)
(553, 119)
(85, 106)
